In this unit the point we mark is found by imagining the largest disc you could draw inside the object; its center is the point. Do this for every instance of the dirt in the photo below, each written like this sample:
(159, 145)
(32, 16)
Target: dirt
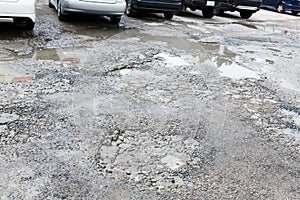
(188, 108)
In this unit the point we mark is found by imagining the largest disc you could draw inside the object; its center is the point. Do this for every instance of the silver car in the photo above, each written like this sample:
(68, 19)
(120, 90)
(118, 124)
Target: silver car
(112, 8)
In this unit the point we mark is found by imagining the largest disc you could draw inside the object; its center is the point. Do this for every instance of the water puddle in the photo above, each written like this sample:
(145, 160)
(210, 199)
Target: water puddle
(13, 74)
(236, 71)
(178, 43)
(9, 73)
(103, 33)
(171, 60)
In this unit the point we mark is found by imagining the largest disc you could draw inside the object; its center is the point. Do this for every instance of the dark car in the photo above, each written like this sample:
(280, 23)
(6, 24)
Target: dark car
(167, 7)
(282, 5)
(245, 7)
(206, 6)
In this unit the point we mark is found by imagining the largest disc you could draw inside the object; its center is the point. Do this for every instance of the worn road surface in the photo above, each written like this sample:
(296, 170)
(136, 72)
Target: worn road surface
(188, 108)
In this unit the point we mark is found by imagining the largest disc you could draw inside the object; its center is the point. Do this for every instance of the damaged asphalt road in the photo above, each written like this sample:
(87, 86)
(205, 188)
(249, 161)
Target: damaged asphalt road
(190, 108)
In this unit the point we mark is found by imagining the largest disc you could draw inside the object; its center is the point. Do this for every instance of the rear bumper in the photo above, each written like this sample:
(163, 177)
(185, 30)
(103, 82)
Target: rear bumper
(95, 8)
(155, 6)
(235, 6)
(23, 8)
(198, 3)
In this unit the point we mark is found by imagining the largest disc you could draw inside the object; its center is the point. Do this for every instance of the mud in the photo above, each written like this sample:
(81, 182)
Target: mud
(190, 108)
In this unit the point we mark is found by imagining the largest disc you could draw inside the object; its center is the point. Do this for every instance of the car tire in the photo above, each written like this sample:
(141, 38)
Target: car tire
(130, 11)
(115, 20)
(60, 15)
(50, 4)
(168, 15)
(208, 12)
(245, 14)
(24, 23)
(280, 8)
(295, 13)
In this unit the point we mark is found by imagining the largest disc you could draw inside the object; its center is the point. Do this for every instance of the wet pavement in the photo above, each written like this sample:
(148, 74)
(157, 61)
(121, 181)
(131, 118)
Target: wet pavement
(188, 108)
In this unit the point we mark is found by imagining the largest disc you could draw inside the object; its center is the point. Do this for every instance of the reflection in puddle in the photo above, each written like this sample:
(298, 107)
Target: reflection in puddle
(9, 73)
(178, 43)
(13, 74)
(37, 54)
(46, 54)
(171, 60)
(102, 33)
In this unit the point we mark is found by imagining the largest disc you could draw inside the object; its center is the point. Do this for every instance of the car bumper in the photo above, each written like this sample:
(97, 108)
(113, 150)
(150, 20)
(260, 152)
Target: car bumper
(20, 9)
(237, 7)
(203, 3)
(158, 6)
(96, 8)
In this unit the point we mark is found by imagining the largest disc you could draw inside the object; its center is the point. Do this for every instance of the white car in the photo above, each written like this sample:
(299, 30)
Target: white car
(20, 12)
(112, 8)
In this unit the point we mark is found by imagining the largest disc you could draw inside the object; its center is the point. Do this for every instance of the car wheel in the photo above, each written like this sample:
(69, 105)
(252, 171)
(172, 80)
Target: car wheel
(115, 20)
(50, 4)
(168, 15)
(280, 8)
(208, 12)
(60, 15)
(294, 13)
(245, 14)
(130, 11)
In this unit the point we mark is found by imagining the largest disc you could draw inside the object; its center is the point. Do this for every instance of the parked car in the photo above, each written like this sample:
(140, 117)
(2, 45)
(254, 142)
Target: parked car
(206, 6)
(282, 5)
(20, 12)
(245, 7)
(112, 8)
(167, 7)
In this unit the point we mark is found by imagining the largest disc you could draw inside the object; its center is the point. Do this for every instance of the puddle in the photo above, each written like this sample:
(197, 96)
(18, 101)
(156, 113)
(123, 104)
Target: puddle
(103, 33)
(46, 54)
(37, 54)
(236, 71)
(171, 60)
(178, 43)
(10, 73)
(13, 74)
